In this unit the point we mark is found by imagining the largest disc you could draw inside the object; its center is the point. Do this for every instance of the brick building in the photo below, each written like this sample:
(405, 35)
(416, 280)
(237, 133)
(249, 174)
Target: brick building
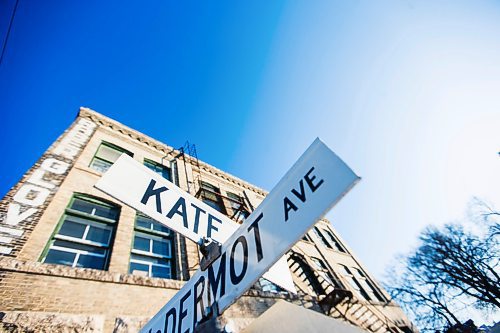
(75, 259)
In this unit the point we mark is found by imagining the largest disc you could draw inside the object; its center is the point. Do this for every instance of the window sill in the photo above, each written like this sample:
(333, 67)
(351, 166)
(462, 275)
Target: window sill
(97, 218)
(81, 241)
(153, 232)
(38, 268)
(150, 254)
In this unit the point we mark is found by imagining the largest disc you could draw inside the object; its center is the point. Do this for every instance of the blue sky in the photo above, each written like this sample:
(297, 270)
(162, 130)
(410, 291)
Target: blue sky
(406, 92)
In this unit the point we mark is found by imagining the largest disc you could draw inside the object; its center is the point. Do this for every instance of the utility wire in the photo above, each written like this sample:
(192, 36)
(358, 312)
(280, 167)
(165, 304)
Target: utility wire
(8, 31)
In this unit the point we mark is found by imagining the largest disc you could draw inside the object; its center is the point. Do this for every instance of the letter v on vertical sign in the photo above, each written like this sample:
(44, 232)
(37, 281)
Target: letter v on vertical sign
(263, 237)
(144, 190)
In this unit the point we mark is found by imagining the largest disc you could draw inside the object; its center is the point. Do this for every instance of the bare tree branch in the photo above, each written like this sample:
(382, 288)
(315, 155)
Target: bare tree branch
(451, 269)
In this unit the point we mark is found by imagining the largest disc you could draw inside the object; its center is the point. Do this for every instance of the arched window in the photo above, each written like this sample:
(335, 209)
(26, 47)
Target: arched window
(84, 235)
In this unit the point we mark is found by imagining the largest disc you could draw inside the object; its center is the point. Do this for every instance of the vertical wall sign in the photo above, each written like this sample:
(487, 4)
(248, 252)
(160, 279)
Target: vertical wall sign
(24, 204)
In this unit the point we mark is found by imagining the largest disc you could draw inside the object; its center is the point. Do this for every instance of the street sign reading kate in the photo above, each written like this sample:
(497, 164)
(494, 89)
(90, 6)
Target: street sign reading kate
(144, 190)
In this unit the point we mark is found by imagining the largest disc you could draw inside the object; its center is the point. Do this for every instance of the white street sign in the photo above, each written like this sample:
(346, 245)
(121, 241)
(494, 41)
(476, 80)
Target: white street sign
(143, 189)
(317, 181)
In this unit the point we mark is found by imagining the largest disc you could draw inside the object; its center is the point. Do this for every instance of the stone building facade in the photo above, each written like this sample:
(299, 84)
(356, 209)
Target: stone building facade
(74, 259)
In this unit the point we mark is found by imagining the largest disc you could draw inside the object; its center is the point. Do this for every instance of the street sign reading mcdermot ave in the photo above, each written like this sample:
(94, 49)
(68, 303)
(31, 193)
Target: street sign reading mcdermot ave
(309, 189)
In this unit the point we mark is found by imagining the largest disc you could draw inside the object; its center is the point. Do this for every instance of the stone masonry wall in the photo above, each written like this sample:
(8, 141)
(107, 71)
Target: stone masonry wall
(37, 297)
(33, 287)
(42, 297)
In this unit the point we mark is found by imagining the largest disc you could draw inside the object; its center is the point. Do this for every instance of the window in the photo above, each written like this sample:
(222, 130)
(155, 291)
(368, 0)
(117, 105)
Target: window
(333, 240)
(159, 169)
(210, 195)
(346, 272)
(84, 235)
(106, 155)
(268, 286)
(330, 241)
(324, 272)
(322, 238)
(152, 249)
(368, 286)
(235, 201)
(240, 213)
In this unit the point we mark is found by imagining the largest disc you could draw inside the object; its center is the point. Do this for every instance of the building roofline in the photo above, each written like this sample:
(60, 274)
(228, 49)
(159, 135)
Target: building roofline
(102, 120)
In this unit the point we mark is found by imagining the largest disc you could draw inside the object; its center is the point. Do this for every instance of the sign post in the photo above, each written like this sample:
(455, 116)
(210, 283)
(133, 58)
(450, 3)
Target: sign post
(317, 181)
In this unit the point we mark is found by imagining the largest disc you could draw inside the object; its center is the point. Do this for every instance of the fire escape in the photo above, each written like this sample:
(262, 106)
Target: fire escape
(334, 299)
(233, 205)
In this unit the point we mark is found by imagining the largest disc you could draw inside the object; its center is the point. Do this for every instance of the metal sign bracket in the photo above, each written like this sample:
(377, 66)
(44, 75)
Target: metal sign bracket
(211, 251)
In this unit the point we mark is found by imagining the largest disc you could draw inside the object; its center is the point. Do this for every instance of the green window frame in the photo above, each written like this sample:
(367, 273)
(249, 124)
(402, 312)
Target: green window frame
(153, 249)
(240, 212)
(106, 155)
(160, 169)
(84, 236)
(235, 201)
(210, 194)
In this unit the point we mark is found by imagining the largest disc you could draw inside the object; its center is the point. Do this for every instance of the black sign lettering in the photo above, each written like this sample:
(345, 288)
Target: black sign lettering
(198, 298)
(150, 191)
(309, 181)
(183, 312)
(302, 194)
(210, 226)
(221, 277)
(256, 233)
(151, 330)
(235, 279)
(171, 313)
(197, 217)
(181, 203)
(288, 204)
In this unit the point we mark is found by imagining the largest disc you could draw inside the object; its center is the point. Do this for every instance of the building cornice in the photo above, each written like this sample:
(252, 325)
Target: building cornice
(114, 125)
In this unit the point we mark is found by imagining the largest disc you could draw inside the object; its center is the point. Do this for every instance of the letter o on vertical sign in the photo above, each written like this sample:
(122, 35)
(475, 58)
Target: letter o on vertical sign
(236, 278)
(23, 195)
